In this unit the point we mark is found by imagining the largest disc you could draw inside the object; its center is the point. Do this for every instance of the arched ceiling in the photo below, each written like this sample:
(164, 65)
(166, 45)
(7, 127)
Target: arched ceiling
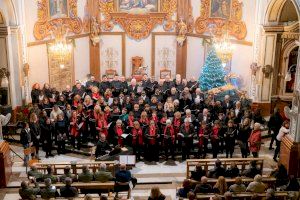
(288, 12)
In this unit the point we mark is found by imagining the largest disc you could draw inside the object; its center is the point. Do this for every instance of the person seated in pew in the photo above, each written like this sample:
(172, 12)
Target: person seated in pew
(29, 193)
(281, 175)
(191, 196)
(198, 173)
(217, 171)
(102, 175)
(203, 186)
(238, 186)
(50, 175)
(88, 197)
(252, 171)
(228, 196)
(221, 186)
(123, 177)
(86, 176)
(233, 171)
(49, 191)
(185, 189)
(156, 194)
(67, 174)
(270, 194)
(257, 186)
(33, 172)
(68, 190)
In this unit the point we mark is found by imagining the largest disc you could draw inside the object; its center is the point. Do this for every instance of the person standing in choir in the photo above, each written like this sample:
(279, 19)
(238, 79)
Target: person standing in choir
(255, 140)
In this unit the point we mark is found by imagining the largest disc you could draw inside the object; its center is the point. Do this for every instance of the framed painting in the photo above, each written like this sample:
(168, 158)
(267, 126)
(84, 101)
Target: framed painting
(220, 9)
(164, 73)
(58, 9)
(138, 6)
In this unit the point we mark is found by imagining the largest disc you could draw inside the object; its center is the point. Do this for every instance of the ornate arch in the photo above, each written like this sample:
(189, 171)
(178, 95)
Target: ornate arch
(8, 12)
(274, 10)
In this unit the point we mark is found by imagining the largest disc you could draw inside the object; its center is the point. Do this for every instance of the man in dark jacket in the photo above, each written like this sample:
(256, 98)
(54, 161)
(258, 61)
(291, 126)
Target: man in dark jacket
(68, 190)
(203, 187)
(217, 171)
(252, 171)
(25, 140)
(102, 147)
(27, 192)
(274, 125)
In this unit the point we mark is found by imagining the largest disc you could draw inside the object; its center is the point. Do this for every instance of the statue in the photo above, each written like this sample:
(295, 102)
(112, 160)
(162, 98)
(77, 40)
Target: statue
(95, 31)
(4, 119)
(182, 31)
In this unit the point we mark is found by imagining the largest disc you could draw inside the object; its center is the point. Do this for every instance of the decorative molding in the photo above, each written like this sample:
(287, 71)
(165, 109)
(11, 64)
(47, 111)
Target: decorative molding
(234, 24)
(45, 25)
(137, 26)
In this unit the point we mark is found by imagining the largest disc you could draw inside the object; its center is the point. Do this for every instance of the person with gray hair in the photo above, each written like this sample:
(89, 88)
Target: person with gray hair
(49, 191)
(270, 194)
(102, 175)
(68, 190)
(86, 176)
(255, 140)
(238, 186)
(257, 186)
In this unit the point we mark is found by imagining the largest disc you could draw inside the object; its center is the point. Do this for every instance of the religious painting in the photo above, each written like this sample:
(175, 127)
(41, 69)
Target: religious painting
(291, 71)
(58, 9)
(138, 6)
(220, 9)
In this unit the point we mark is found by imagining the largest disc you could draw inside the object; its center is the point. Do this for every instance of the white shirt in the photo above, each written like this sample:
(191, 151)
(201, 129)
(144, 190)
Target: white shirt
(281, 133)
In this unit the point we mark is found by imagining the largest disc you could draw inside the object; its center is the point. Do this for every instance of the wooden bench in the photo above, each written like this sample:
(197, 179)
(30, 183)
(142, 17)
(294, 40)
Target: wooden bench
(108, 186)
(94, 166)
(241, 163)
(269, 181)
(244, 195)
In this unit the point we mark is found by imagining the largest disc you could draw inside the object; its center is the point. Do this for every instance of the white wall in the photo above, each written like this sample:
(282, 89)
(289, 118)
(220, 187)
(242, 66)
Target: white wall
(38, 62)
(81, 58)
(195, 57)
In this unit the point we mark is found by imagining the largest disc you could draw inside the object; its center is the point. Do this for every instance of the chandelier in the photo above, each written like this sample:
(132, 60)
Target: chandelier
(223, 47)
(61, 50)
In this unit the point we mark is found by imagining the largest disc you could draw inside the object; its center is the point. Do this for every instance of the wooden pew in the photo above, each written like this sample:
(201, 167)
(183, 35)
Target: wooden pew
(269, 181)
(244, 195)
(241, 163)
(93, 165)
(109, 186)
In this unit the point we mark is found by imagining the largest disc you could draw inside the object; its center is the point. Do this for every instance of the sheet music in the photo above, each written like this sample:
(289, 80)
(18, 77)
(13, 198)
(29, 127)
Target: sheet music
(123, 159)
(124, 135)
(131, 160)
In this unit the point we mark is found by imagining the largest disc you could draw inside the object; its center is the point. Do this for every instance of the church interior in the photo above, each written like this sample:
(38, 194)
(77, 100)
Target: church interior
(149, 99)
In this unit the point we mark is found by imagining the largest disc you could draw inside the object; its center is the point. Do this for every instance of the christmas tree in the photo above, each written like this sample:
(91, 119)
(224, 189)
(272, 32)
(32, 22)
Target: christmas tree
(212, 75)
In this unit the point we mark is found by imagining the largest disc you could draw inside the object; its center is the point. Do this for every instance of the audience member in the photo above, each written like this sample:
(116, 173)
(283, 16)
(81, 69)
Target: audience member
(185, 189)
(49, 191)
(68, 190)
(198, 173)
(27, 192)
(102, 175)
(221, 186)
(50, 175)
(203, 186)
(156, 194)
(217, 171)
(33, 172)
(252, 170)
(233, 171)
(238, 186)
(86, 176)
(281, 175)
(257, 186)
(67, 174)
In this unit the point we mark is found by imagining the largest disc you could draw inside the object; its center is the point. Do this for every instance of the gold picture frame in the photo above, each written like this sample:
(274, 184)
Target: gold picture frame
(64, 6)
(45, 25)
(234, 24)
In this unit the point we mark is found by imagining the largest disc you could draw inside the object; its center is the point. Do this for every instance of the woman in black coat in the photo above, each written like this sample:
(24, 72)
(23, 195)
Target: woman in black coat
(35, 93)
(61, 129)
(243, 136)
(35, 132)
(25, 140)
(47, 131)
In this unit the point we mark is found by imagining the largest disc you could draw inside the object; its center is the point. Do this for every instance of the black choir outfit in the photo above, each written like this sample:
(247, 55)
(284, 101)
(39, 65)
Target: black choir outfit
(92, 110)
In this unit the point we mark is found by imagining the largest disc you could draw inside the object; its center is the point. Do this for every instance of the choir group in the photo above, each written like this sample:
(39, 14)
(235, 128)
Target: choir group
(155, 118)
